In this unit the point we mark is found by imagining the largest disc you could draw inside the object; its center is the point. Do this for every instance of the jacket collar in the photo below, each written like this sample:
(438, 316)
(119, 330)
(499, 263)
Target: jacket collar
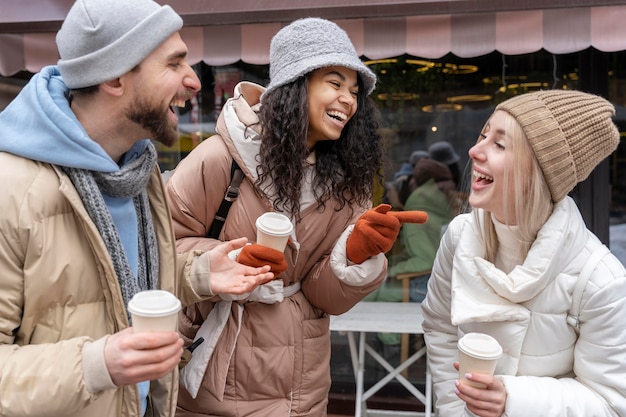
(482, 292)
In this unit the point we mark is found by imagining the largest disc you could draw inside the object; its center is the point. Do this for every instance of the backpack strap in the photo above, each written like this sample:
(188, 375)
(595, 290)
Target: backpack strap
(573, 315)
(232, 193)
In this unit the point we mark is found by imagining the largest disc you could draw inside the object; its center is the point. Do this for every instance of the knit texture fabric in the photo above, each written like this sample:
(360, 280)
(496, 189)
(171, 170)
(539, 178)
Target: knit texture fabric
(374, 232)
(256, 255)
(101, 40)
(129, 182)
(311, 43)
(570, 133)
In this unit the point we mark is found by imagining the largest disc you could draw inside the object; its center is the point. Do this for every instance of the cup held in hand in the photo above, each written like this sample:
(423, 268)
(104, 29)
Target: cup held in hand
(154, 311)
(273, 230)
(478, 352)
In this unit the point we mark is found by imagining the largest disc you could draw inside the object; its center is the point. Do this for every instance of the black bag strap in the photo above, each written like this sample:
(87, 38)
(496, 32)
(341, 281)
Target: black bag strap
(232, 193)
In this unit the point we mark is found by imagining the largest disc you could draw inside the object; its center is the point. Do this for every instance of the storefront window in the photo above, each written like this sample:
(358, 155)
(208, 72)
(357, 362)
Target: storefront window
(426, 101)
(422, 102)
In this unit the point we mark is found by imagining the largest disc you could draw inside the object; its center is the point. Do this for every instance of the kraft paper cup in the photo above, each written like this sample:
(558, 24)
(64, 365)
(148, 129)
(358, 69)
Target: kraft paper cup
(273, 230)
(478, 352)
(154, 311)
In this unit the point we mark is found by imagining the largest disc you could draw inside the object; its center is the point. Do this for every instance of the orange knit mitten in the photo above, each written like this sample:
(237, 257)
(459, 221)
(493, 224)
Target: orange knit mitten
(374, 232)
(410, 216)
(257, 255)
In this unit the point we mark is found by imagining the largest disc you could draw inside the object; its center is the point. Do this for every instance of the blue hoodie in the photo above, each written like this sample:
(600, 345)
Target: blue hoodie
(39, 125)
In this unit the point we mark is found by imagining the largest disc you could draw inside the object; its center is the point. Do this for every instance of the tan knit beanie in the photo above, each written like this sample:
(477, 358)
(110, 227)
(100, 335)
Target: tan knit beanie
(570, 132)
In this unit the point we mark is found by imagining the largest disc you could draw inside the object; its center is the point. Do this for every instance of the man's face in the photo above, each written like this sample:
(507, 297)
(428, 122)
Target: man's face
(163, 81)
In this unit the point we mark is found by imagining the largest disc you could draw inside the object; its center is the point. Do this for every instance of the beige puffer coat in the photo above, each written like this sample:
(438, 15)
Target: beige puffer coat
(281, 360)
(60, 293)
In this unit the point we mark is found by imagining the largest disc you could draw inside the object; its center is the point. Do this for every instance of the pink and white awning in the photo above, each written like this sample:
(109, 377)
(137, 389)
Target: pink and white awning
(557, 30)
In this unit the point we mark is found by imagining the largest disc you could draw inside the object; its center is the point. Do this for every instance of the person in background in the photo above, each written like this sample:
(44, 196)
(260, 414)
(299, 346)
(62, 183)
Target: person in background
(436, 194)
(433, 187)
(310, 148)
(416, 156)
(85, 224)
(398, 190)
(444, 152)
(418, 243)
(523, 268)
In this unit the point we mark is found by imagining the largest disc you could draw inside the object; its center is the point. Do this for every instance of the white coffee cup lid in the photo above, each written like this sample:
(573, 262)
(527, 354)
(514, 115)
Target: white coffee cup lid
(154, 303)
(480, 345)
(274, 224)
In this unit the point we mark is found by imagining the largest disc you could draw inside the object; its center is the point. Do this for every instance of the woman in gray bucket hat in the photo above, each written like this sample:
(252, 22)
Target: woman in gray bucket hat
(309, 148)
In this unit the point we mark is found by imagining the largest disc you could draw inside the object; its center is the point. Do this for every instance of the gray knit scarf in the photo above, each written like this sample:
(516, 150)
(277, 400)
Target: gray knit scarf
(129, 182)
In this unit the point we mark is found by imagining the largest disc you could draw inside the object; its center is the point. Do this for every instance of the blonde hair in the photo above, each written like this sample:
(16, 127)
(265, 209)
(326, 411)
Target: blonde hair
(532, 204)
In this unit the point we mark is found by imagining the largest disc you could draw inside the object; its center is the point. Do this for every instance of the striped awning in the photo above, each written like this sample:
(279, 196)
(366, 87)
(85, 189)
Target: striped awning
(511, 32)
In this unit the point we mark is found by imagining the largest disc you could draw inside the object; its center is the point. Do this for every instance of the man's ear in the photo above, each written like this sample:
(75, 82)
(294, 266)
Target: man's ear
(114, 87)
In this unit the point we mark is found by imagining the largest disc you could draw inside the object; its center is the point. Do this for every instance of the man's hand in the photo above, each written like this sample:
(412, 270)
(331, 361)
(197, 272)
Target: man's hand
(135, 357)
(230, 277)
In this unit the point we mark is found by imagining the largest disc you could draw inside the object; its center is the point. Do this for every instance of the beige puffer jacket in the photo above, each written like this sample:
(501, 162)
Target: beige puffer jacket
(59, 293)
(281, 360)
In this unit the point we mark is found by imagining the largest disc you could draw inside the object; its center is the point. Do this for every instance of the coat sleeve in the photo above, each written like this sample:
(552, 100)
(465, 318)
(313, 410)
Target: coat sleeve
(335, 284)
(44, 379)
(195, 191)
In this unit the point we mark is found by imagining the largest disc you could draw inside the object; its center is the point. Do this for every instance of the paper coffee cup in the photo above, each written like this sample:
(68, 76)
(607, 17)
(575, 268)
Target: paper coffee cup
(273, 230)
(478, 352)
(154, 311)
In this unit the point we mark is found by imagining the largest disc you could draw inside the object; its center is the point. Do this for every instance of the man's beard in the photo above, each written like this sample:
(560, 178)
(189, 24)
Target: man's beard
(154, 120)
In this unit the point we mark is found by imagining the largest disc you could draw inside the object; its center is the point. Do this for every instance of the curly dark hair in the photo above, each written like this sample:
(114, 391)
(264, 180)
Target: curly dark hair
(345, 169)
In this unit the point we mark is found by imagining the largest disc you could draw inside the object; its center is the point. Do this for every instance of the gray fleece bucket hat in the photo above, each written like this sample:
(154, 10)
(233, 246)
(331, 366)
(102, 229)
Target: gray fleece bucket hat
(309, 44)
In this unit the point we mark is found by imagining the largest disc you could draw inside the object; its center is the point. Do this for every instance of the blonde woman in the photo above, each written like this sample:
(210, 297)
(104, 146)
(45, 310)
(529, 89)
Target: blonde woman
(514, 268)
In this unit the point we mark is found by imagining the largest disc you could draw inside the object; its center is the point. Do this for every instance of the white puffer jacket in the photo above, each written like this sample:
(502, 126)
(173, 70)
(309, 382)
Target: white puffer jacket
(548, 369)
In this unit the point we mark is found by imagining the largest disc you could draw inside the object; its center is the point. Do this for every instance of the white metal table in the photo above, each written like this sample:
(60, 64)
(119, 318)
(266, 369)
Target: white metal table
(366, 317)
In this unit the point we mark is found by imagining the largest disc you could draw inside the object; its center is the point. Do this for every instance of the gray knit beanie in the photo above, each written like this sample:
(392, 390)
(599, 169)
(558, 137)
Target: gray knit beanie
(570, 133)
(101, 40)
(309, 44)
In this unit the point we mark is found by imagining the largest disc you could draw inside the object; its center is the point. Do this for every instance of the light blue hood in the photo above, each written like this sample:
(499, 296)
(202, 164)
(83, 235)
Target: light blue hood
(40, 125)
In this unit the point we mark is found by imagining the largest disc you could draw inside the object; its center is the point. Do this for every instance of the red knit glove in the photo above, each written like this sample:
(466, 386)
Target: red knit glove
(256, 255)
(374, 233)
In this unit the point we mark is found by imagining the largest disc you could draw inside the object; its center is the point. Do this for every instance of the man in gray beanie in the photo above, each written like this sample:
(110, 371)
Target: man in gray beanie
(101, 40)
(85, 223)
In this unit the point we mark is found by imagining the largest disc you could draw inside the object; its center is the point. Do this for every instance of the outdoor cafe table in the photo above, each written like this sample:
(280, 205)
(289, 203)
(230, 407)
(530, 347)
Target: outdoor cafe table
(374, 317)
